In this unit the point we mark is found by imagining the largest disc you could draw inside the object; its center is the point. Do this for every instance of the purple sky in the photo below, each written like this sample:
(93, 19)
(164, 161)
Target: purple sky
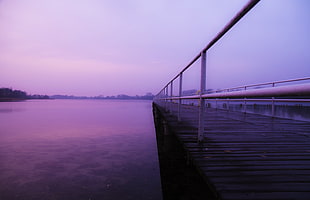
(109, 47)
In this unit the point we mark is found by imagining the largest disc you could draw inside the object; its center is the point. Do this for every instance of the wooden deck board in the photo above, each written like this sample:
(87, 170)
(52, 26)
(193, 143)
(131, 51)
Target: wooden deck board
(248, 156)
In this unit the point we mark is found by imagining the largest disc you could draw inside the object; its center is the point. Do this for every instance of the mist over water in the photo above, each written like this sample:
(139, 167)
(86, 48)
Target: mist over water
(78, 149)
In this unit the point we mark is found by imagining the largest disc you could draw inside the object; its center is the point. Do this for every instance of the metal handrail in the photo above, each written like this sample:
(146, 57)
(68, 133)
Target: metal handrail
(285, 91)
(280, 91)
(258, 100)
(263, 84)
(228, 26)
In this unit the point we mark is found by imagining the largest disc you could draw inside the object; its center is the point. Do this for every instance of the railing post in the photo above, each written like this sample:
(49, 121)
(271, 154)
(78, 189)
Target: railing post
(163, 96)
(180, 94)
(227, 102)
(166, 100)
(244, 103)
(201, 125)
(171, 94)
(272, 105)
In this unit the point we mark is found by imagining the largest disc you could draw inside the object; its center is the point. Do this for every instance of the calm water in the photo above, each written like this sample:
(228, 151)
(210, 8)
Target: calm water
(78, 149)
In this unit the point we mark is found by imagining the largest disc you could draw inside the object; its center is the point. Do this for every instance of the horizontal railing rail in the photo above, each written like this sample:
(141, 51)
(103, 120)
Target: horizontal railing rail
(280, 91)
(229, 25)
(277, 91)
(273, 84)
(264, 100)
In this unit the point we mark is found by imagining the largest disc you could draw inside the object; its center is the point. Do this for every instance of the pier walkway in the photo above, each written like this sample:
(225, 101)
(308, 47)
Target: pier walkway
(241, 155)
(246, 156)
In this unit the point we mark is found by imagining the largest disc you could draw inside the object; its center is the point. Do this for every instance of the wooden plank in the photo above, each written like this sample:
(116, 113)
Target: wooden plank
(283, 195)
(260, 178)
(248, 156)
(264, 187)
(242, 168)
(275, 172)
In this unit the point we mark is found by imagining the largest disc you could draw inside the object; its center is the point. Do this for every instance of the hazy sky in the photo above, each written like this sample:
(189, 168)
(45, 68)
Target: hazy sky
(109, 47)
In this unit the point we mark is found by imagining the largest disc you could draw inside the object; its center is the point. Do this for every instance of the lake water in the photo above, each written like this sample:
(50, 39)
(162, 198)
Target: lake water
(78, 149)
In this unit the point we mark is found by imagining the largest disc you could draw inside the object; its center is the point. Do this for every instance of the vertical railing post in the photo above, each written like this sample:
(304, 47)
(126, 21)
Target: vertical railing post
(201, 124)
(272, 105)
(244, 103)
(166, 100)
(227, 102)
(163, 96)
(180, 95)
(171, 94)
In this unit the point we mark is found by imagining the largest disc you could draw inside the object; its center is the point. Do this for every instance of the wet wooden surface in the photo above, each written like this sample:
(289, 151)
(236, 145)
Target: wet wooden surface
(247, 156)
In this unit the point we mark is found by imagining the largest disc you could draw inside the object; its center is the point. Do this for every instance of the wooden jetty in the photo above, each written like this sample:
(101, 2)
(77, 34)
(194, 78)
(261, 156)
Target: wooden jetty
(245, 156)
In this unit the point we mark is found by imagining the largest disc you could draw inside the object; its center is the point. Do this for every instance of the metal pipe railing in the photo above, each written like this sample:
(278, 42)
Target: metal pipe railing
(246, 95)
(273, 84)
(202, 54)
(280, 91)
(231, 23)
(230, 94)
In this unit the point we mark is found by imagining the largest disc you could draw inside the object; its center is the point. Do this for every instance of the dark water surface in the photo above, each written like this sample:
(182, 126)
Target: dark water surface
(78, 149)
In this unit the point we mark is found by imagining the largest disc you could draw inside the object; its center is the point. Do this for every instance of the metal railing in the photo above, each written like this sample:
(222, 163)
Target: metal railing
(250, 93)
(255, 92)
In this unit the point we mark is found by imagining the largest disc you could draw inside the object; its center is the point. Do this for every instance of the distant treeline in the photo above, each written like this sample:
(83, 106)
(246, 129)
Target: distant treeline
(148, 96)
(9, 94)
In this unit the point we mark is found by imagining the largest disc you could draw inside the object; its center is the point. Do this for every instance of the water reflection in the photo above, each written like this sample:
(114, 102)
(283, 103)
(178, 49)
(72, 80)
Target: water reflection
(64, 149)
